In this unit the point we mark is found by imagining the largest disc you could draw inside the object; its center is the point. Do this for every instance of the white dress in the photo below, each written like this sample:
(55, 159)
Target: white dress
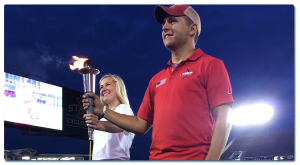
(113, 145)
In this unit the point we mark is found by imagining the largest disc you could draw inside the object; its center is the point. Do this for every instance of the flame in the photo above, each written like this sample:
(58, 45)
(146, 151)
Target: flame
(78, 64)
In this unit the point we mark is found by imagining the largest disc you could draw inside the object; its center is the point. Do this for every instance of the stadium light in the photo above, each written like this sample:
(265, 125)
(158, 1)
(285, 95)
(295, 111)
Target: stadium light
(251, 114)
(68, 158)
(25, 158)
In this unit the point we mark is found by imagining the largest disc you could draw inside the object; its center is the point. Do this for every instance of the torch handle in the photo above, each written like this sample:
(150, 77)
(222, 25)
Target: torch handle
(90, 110)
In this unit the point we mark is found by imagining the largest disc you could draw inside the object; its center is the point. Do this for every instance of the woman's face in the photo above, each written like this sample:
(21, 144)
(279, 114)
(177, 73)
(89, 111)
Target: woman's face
(108, 90)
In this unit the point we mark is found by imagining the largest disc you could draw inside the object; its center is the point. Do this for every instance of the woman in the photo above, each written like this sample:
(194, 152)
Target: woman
(114, 143)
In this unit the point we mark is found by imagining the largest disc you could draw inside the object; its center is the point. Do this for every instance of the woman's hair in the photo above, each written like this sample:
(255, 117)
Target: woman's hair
(120, 89)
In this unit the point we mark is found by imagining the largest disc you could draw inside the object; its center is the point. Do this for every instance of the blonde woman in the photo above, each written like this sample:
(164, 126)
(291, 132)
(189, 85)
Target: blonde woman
(110, 141)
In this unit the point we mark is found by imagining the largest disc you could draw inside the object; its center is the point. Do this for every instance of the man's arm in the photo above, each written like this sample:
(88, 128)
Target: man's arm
(107, 126)
(221, 131)
(132, 124)
(93, 122)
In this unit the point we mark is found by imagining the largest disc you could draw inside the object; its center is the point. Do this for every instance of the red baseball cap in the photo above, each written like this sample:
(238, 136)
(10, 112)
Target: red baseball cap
(177, 10)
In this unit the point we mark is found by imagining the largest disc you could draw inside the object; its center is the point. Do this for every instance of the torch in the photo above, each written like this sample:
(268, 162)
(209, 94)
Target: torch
(85, 68)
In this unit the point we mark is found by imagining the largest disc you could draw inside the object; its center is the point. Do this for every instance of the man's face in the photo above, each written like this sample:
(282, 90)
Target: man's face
(175, 32)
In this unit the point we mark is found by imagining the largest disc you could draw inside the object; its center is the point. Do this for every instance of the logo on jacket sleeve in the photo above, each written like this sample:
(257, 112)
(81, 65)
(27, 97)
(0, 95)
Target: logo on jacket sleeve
(161, 82)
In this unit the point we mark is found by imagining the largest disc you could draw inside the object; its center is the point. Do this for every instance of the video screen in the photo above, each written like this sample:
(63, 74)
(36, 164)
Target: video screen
(32, 102)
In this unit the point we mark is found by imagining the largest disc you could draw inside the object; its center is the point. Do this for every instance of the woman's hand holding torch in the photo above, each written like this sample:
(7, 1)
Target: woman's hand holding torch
(92, 119)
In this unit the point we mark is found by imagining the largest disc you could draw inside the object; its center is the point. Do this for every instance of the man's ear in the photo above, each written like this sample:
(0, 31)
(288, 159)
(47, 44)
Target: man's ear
(193, 29)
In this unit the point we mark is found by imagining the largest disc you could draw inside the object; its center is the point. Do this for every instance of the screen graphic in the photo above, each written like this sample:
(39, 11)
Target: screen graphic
(32, 102)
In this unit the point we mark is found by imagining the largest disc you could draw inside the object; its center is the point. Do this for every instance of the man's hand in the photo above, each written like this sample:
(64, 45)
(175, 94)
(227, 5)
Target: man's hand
(98, 107)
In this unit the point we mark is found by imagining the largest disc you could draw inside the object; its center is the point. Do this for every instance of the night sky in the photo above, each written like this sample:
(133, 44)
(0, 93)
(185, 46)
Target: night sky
(255, 42)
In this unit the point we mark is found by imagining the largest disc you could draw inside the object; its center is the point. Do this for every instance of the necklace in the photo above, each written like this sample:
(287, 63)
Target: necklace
(115, 107)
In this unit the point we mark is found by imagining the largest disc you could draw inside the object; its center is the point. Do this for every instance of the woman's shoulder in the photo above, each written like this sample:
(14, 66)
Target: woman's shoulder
(124, 106)
(124, 109)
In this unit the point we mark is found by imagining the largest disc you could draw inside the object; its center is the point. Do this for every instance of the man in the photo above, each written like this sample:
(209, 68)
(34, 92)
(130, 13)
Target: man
(187, 103)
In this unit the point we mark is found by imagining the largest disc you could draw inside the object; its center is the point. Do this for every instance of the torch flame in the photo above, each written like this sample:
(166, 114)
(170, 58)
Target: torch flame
(78, 64)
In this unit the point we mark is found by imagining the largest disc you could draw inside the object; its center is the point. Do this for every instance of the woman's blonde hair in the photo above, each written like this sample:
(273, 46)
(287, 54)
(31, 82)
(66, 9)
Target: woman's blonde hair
(120, 89)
